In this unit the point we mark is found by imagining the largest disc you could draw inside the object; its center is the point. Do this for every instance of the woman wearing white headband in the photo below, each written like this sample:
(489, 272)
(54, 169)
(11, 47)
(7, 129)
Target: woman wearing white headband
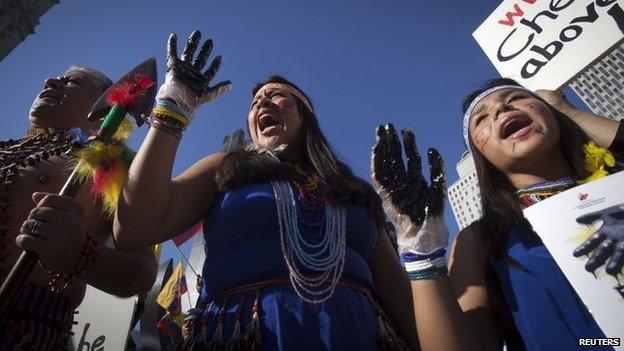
(503, 285)
(294, 248)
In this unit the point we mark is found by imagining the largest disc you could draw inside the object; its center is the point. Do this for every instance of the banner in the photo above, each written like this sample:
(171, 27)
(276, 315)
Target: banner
(169, 291)
(180, 239)
(566, 221)
(103, 322)
(543, 44)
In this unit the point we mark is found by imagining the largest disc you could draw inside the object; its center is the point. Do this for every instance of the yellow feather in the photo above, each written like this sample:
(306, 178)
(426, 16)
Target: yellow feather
(112, 188)
(596, 158)
(124, 131)
(94, 157)
(97, 155)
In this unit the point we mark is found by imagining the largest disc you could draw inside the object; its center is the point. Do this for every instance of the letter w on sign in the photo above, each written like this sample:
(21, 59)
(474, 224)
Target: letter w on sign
(517, 13)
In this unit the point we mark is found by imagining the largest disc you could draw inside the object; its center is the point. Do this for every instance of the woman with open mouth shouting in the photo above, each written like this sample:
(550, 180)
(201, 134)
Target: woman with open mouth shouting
(295, 255)
(502, 286)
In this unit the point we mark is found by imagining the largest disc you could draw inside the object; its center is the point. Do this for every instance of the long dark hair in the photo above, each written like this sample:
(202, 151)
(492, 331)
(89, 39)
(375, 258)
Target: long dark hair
(244, 165)
(501, 209)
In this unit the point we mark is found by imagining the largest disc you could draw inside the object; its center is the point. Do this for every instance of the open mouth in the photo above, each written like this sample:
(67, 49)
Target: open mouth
(267, 121)
(513, 125)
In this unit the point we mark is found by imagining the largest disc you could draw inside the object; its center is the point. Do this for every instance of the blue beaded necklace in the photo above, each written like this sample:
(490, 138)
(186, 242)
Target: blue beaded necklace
(535, 193)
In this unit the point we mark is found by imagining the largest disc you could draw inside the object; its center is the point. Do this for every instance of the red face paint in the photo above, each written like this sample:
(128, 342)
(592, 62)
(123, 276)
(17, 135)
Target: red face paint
(286, 104)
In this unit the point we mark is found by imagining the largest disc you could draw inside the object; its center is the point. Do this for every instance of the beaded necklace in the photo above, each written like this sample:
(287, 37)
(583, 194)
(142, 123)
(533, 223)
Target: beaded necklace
(598, 163)
(16, 155)
(535, 193)
(315, 261)
(309, 189)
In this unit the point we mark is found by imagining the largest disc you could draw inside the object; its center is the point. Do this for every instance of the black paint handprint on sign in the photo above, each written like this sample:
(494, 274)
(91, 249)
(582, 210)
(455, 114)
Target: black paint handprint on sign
(607, 243)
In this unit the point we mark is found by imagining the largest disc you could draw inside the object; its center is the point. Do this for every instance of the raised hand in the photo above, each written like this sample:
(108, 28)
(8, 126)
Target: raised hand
(415, 207)
(186, 84)
(556, 99)
(608, 241)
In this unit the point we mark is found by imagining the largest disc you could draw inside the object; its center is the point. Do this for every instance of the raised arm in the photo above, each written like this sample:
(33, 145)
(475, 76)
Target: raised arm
(416, 209)
(153, 208)
(601, 129)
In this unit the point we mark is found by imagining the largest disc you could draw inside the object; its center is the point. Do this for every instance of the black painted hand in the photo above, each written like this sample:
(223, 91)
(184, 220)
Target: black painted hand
(406, 188)
(415, 207)
(189, 72)
(186, 83)
(608, 241)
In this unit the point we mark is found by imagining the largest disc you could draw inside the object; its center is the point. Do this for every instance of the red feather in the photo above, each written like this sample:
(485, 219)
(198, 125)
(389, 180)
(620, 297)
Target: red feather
(128, 92)
(101, 177)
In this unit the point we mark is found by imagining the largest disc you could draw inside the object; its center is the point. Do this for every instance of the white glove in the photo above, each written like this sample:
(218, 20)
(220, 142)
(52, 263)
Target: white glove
(185, 84)
(415, 208)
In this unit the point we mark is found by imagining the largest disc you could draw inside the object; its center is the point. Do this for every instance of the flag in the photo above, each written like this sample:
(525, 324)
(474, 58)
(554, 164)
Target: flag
(183, 287)
(176, 305)
(171, 324)
(182, 238)
(169, 292)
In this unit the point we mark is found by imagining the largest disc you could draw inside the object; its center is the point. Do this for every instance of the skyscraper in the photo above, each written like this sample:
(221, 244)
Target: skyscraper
(601, 86)
(18, 19)
(464, 194)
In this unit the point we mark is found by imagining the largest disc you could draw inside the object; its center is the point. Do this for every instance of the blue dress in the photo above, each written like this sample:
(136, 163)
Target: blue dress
(243, 246)
(544, 307)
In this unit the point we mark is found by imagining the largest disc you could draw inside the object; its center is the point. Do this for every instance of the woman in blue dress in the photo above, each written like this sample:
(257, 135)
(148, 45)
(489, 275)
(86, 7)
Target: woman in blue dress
(503, 286)
(295, 254)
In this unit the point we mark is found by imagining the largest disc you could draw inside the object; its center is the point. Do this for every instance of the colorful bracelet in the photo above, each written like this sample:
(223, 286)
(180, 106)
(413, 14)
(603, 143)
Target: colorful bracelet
(168, 127)
(60, 281)
(433, 273)
(171, 111)
(411, 257)
(425, 266)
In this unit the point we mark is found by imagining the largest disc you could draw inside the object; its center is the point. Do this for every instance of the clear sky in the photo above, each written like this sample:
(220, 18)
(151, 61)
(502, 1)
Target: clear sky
(362, 62)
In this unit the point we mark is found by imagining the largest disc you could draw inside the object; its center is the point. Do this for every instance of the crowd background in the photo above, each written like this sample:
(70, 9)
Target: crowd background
(364, 63)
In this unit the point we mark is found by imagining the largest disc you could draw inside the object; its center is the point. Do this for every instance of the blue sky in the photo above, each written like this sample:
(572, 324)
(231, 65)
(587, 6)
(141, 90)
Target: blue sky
(362, 62)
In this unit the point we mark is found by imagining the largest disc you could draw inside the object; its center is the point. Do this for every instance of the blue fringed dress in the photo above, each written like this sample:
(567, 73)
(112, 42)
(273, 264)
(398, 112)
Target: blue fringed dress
(243, 247)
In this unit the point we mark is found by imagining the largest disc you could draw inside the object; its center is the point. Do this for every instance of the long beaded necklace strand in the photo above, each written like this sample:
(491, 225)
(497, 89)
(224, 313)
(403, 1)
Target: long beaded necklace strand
(16, 155)
(535, 193)
(324, 254)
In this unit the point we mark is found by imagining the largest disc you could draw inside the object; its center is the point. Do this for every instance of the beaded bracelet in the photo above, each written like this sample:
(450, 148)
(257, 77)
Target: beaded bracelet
(168, 127)
(171, 111)
(60, 281)
(425, 266)
(432, 273)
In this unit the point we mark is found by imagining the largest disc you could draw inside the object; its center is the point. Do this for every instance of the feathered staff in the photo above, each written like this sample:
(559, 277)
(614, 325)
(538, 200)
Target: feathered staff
(103, 158)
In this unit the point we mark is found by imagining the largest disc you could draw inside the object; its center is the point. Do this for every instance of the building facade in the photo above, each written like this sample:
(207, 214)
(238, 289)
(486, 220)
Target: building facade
(601, 86)
(18, 19)
(464, 195)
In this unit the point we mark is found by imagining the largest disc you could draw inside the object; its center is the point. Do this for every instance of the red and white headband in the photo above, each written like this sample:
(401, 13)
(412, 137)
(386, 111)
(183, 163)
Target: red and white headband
(289, 88)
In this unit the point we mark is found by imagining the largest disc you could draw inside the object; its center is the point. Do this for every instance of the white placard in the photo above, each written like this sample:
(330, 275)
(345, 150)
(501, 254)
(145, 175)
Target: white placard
(103, 322)
(543, 44)
(554, 220)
